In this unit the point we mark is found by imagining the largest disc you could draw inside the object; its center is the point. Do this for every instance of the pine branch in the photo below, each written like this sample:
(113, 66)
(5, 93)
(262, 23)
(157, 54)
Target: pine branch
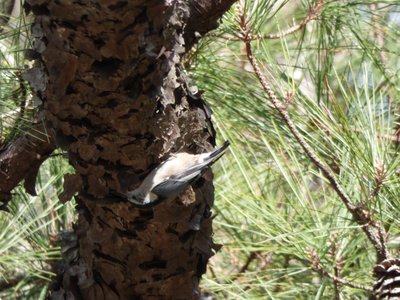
(373, 229)
(314, 13)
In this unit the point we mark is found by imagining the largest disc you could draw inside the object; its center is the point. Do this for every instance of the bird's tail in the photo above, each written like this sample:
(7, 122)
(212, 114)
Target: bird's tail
(215, 155)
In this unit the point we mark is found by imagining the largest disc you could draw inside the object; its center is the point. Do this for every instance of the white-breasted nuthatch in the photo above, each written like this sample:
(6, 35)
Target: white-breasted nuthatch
(173, 176)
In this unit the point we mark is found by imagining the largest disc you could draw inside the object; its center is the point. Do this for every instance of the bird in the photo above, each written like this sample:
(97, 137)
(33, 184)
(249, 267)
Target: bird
(173, 176)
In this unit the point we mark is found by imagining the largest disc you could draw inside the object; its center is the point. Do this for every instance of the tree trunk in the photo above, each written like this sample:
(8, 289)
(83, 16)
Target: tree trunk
(116, 99)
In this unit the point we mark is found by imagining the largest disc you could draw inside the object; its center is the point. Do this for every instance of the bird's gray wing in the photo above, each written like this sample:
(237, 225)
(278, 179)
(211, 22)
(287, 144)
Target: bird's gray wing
(198, 168)
(171, 187)
(190, 173)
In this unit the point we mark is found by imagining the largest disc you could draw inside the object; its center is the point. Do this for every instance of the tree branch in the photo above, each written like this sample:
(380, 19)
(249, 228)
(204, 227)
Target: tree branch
(317, 266)
(21, 159)
(373, 229)
(204, 17)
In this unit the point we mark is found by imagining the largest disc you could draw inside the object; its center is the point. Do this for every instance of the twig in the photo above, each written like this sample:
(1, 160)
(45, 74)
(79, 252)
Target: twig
(335, 283)
(373, 229)
(265, 260)
(243, 269)
(249, 259)
(317, 266)
(379, 178)
(337, 262)
(213, 274)
(313, 14)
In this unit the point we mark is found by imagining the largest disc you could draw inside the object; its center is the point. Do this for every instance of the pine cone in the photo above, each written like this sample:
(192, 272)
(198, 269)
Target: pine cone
(387, 284)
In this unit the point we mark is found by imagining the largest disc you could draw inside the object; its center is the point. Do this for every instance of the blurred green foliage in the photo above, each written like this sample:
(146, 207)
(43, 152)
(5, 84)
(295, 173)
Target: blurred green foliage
(273, 206)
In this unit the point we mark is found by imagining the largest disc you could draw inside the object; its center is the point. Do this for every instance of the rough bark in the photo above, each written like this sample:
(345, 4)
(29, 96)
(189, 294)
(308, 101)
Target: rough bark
(108, 74)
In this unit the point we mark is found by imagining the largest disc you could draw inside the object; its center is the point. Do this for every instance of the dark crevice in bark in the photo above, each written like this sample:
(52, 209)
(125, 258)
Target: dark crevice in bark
(155, 263)
(107, 257)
